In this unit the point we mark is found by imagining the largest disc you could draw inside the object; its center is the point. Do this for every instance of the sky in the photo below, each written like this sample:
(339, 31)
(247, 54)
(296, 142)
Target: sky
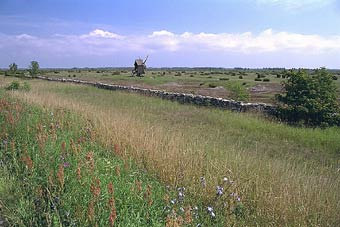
(174, 33)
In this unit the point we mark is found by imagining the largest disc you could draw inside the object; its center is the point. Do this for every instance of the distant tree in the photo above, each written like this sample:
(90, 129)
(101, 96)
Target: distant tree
(34, 68)
(310, 99)
(13, 68)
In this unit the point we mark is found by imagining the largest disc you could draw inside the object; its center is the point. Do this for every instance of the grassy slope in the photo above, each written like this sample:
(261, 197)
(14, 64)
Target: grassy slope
(34, 196)
(284, 175)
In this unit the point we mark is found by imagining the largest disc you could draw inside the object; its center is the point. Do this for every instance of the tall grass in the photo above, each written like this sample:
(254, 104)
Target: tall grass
(57, 175)
(282, 175)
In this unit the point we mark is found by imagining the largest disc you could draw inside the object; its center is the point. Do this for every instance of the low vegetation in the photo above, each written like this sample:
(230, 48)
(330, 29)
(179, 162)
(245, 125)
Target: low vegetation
(247, 170)
(310, 99)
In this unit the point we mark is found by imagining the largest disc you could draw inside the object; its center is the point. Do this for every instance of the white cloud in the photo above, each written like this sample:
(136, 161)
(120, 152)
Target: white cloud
(296, 4)
(103, 43)
(102, 34)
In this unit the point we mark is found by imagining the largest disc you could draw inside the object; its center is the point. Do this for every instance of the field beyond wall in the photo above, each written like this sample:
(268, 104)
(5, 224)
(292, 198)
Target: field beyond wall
(282, 175)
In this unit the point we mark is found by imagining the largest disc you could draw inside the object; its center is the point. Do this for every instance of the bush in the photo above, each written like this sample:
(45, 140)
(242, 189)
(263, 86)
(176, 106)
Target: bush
(115, 73)
(310, 100)
(15, 85)
(334, 77)
(258, 79)
(238, 92)
(266, 80)
(224, 78)
(240, 77)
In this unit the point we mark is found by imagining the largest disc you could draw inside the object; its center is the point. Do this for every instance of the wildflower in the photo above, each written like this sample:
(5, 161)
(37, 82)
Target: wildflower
(95, 188)
(28, 161)
(66, 164)
(117, 170)
(113, 216)
(78, 173)
(63, 147)
(188, 216)
(219, 191)
(203, 182)
(166, 198)
(111, 202)
(90, 210)
(60, 175)
(211, 212)
(138, 185)
(148, 194)
(238, 199)
(110, 188)
(225, 180)
(116, 149)
(180, 196)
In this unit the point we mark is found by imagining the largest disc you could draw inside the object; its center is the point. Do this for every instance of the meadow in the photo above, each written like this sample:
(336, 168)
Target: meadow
(237, 169)
(253, 85)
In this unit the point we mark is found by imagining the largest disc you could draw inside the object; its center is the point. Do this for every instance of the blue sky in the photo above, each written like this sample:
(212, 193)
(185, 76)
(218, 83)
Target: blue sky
(218, 33)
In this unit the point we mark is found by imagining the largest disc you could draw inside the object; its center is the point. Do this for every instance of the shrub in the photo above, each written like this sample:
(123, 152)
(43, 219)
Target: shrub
(238, 92)
(266, 80)
(115, 73)
(258, 79)
(240, 77)
(334, 77)
(15, 85)
(310, 100)
(224, 78)
(212, 85)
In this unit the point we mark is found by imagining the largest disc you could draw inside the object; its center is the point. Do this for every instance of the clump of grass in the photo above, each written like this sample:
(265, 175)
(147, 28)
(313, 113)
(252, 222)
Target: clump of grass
(16, 85)
(238, 92)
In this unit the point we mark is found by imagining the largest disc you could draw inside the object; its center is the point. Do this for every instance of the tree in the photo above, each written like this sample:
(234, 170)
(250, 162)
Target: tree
(309, 99)
(34, 68)
(13, 68)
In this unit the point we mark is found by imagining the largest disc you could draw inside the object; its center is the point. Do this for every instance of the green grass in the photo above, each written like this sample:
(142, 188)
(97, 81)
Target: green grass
(28, 198)
(284, 175)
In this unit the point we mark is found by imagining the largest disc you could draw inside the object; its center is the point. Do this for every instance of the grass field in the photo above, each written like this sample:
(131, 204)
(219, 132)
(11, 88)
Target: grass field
(212, 82)
(272, 174)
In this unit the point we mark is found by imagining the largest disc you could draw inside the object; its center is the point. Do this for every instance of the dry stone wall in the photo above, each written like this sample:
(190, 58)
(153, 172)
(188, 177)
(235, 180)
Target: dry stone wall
(179, 97)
